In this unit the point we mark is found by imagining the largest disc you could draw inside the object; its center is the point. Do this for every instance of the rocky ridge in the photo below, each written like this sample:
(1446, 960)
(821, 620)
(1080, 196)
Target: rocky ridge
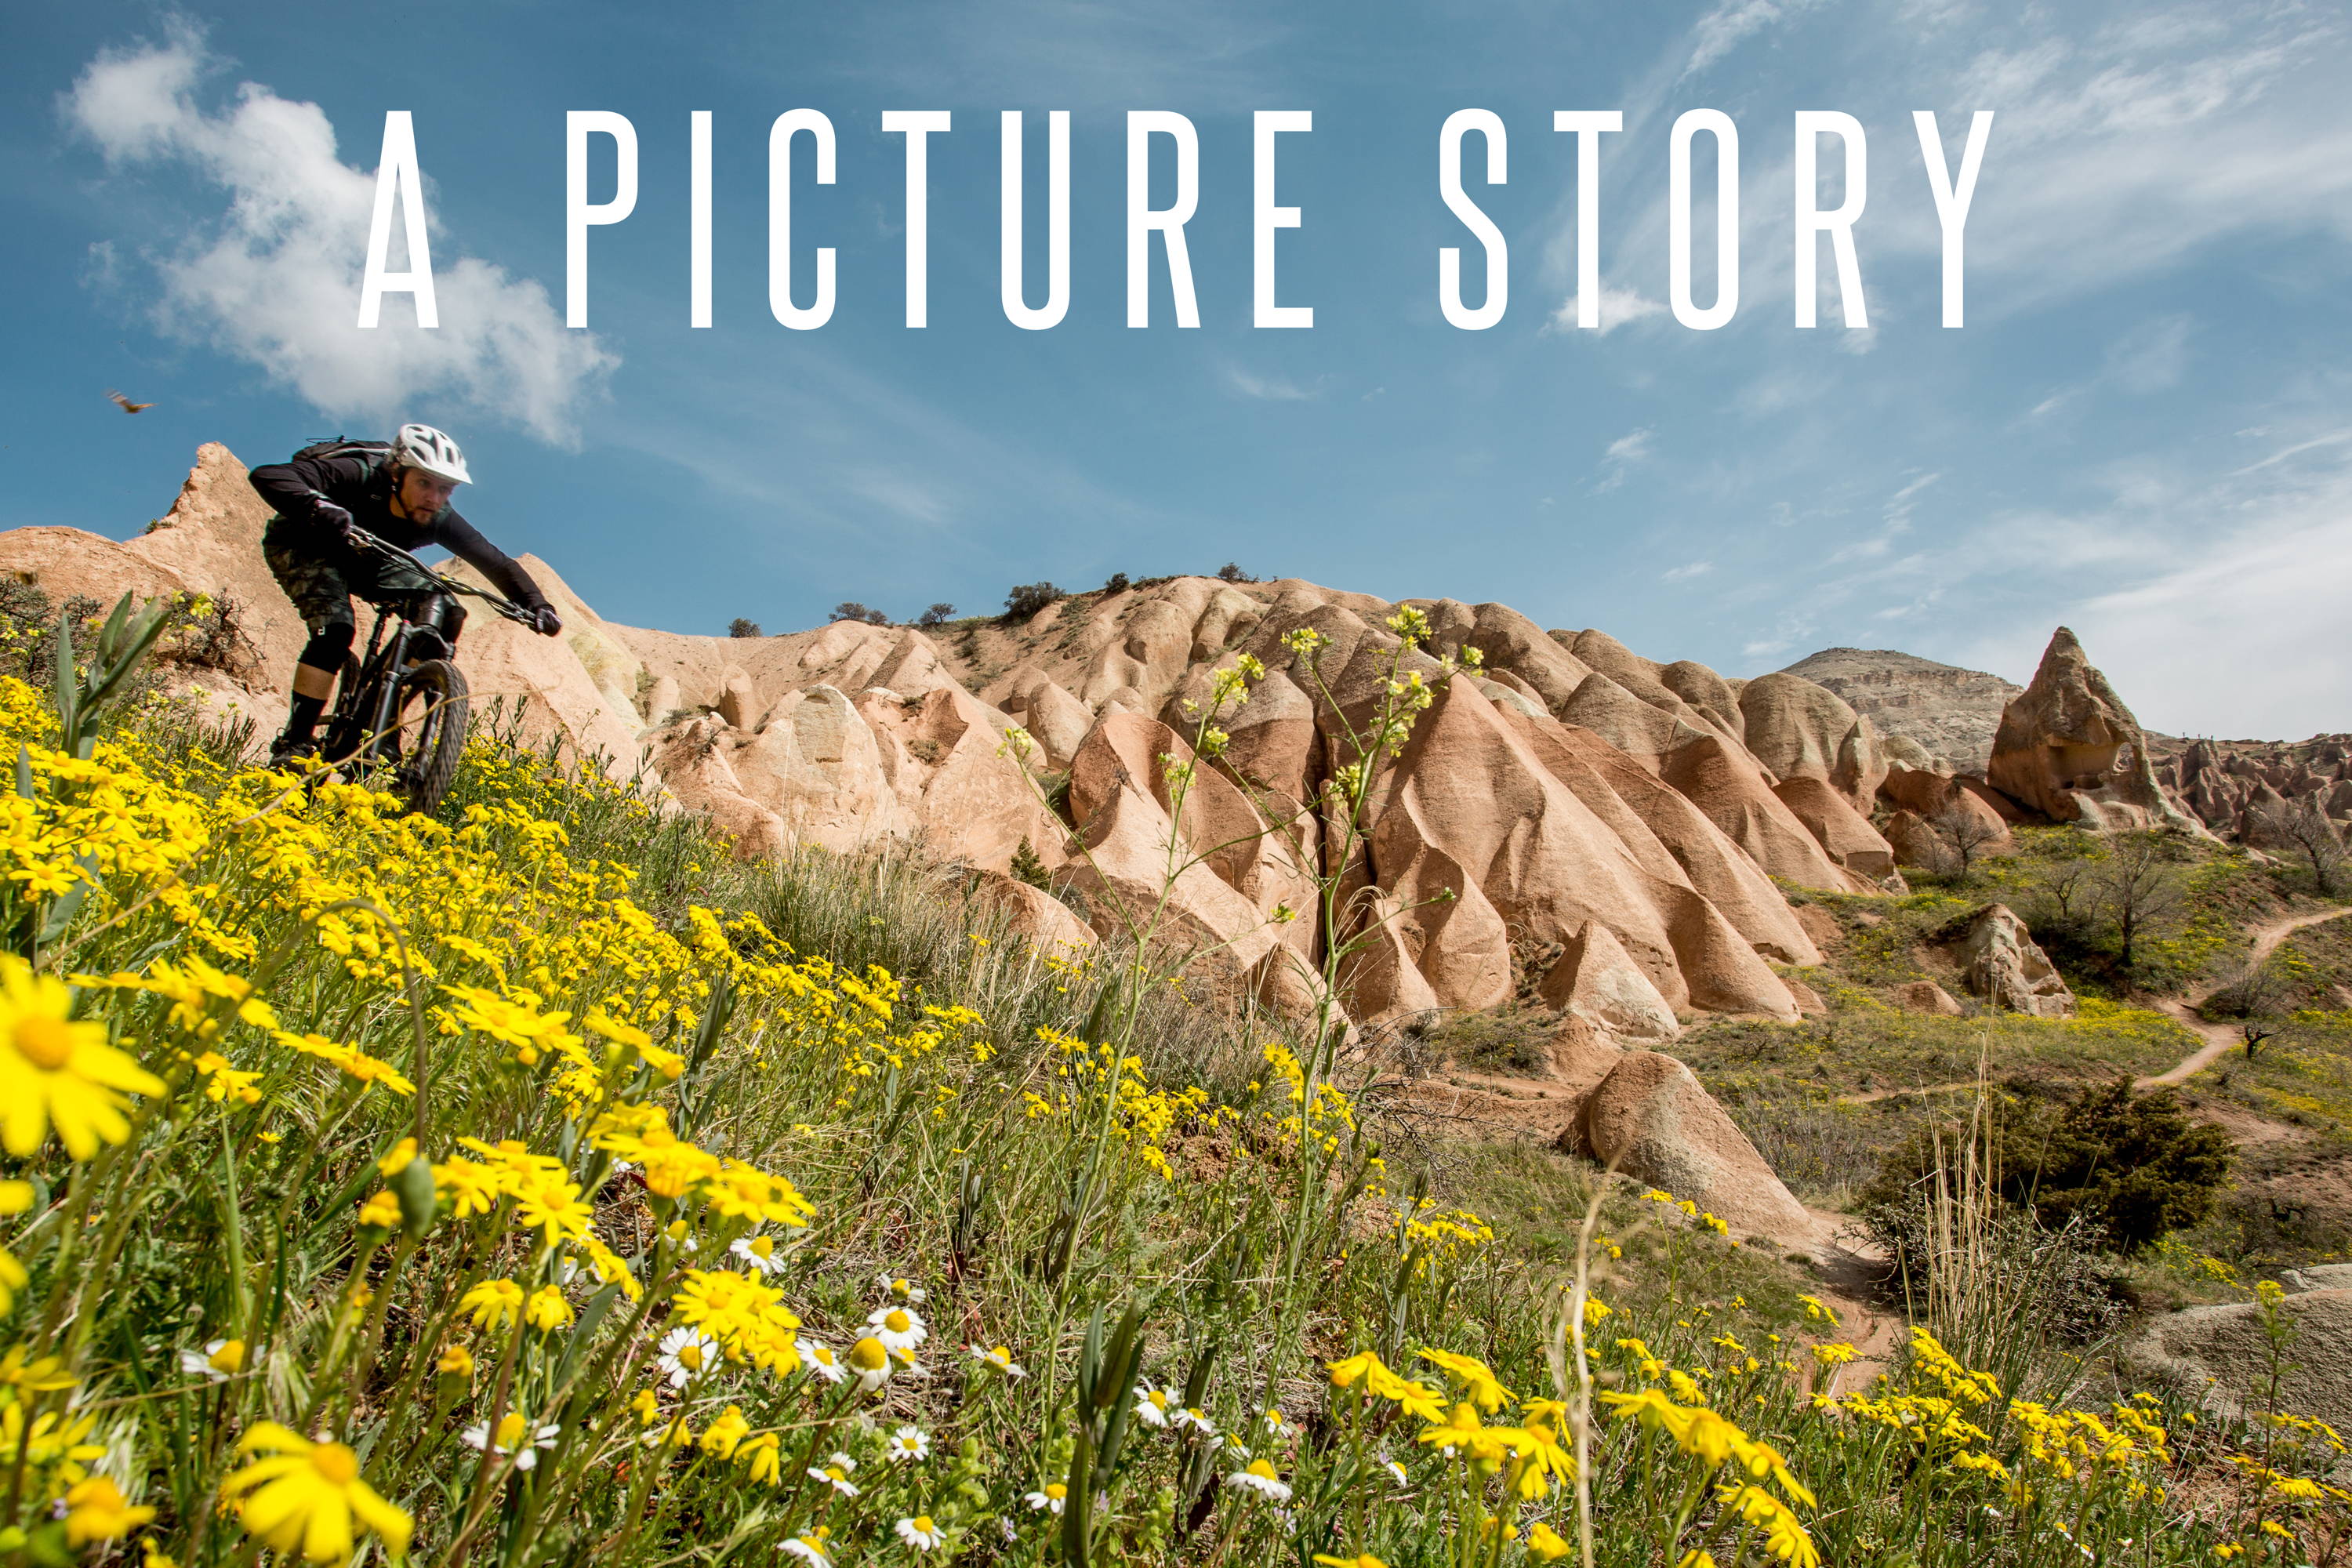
(1574, 822)
(1950, 712)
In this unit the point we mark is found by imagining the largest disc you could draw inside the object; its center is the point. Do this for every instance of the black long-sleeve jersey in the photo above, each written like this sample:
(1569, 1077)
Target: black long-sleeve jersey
(361, 483)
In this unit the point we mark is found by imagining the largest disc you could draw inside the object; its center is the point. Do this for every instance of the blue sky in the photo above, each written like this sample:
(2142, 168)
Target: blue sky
(2143, 431)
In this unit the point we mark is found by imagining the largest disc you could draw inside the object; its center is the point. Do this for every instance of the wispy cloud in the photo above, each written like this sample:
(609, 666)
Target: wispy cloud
(1628, 449)
(1619, 308)
(1687, 571)
(1268, 388)
(273, 278)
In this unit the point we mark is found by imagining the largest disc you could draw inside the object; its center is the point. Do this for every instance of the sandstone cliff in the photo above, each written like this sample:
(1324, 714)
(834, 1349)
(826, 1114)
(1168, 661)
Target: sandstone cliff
(1574, 820)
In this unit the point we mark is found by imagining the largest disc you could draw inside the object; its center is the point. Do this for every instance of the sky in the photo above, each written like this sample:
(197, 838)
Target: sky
(2143, 429)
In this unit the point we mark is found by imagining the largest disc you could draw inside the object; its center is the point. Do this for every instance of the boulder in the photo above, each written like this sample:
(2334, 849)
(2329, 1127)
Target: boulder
(1594, 979)
(1652, 1120)
(1809, 1001)
(1914, 843)
(1032, 912)
(2068, 748)
(1999, 961)
(1927, 996)
(2224, 1353)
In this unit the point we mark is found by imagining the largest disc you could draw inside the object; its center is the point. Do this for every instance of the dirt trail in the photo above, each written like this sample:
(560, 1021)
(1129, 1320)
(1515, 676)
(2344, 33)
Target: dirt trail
(2220, 1038)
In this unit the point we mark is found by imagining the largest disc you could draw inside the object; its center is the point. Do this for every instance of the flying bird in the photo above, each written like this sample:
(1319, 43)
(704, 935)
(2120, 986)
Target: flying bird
(127, 405)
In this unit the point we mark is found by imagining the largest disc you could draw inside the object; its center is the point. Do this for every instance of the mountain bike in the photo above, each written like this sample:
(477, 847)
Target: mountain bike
(400, 713)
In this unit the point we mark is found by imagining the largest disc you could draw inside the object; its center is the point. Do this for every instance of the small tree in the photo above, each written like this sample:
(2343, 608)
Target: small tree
(2303, 826)
(937, 614)
(744, 626)
(2137, 885)
(1027, 599)
(1028, 866)
(851, 610)
(1231, 573)
(1117, 584)
(1964, 832)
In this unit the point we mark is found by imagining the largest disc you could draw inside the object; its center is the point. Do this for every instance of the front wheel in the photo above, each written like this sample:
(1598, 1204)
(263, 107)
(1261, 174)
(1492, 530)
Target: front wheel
(429, 717)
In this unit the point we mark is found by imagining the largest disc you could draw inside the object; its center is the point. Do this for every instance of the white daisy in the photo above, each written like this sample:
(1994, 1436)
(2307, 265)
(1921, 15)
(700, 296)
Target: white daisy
(835, 1477)
(871, 1362)
(920, 1533)
(514, 1433)
(1051, 1498)
(1395, 1469)
(900, 1291)
(908, 1443)
(897, 1328)
(757, 1253)
(1260, 1479)
(809, 1550)
(1274, 1422)
(1154, 1405)
(216, 1362)
(685, 1352)
(823, 1361)
(1188, 1417)
(1000, 1358)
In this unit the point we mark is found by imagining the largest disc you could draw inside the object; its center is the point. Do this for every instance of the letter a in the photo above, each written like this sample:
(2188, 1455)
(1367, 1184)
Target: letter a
(396, 174)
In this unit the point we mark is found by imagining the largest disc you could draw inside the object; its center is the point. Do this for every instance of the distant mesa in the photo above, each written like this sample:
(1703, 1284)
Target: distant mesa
(1950, 712)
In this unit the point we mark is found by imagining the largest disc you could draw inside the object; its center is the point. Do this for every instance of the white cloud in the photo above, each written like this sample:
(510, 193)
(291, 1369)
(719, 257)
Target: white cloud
(1619, 308)
(1628, 449)
(274, 280)
(2241, 638)
(1718, 32)
(1687, 571)
(1267, 388)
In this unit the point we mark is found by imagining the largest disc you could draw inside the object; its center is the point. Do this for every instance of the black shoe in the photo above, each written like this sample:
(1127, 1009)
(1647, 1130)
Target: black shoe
(285, 752)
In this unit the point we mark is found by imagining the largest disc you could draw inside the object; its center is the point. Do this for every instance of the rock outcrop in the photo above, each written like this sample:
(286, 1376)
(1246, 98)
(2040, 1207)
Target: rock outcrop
(1998, 960)
(1650, 1119)
(1927, 996)
(2223, 1354)
(2069, 749)
(2223, 784)
(1633, 815)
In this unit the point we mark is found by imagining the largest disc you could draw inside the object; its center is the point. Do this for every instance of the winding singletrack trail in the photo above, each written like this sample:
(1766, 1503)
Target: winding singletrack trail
(2220, 1038)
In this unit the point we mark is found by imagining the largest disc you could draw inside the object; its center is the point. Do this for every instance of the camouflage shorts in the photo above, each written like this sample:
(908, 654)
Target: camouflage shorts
(323, 578)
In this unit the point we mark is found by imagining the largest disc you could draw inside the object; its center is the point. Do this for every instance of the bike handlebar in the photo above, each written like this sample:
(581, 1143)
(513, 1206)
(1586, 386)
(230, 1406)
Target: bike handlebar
(497, 601)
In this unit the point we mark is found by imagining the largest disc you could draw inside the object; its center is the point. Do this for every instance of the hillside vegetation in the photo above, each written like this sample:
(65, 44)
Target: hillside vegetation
(535, 1185)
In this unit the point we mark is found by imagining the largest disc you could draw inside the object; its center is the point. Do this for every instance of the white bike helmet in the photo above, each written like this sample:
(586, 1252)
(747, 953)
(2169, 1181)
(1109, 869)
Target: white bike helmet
(423, 446)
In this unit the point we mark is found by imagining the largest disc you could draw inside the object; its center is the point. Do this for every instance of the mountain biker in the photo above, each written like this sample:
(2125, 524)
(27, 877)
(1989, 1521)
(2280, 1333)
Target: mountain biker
(398, 491)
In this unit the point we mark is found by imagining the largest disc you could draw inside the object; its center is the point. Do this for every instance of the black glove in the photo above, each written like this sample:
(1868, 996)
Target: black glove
(545, 622)
(333, 520)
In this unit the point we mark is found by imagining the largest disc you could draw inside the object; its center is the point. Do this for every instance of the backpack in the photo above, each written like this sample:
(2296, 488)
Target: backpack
(341, 446)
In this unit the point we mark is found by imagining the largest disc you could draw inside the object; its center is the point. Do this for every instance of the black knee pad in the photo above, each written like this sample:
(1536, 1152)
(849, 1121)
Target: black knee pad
(329, 647)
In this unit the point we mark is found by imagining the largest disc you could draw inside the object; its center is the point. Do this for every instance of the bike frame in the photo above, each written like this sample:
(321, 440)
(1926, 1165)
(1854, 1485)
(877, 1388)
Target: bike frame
(367, 700)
